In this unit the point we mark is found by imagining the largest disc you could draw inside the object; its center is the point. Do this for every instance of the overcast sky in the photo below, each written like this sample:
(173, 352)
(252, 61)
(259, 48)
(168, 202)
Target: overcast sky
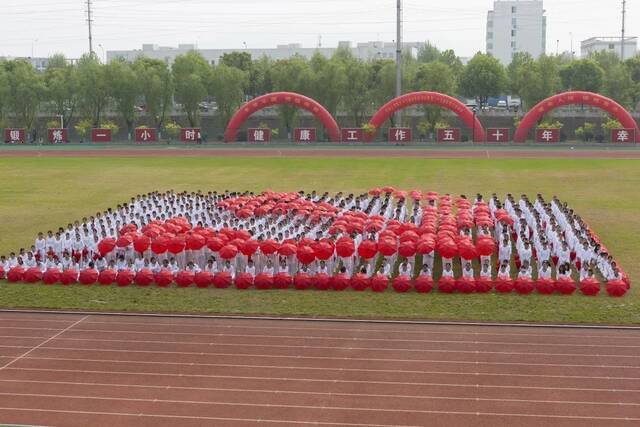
(44, 27)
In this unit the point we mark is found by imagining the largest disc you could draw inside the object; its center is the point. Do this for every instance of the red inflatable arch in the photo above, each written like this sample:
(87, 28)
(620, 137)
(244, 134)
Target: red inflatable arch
(570, 98)
(430, 98)
(279, 98)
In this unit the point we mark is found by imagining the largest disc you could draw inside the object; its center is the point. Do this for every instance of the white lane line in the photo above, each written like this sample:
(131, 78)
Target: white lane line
(41, 344)
(193, 417)
(325, 369)
(319, 393)
(315, 380)
(324, 408)
(357, 339)
(358, 359)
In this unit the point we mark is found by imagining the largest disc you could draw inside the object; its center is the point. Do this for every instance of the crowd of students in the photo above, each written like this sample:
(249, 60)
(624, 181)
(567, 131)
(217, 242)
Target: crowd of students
(540, 239)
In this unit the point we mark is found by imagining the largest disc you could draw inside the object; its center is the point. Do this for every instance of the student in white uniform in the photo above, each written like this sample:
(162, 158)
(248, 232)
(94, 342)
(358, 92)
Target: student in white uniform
(228, 268)
(544, 272)
(250, 268)
(467, 270)
(505, 271)
(447, 271)
(405, 269)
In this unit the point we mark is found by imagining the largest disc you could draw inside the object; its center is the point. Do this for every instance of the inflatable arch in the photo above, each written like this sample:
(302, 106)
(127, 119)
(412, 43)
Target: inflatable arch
(282, 98)
(428, 98)
(570, 98)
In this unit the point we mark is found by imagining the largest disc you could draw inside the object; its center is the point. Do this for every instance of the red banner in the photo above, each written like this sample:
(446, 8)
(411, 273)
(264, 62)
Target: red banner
(547, 135)
(498, 135)
(352, 135)
(14, 136)
(304, 135)
(449, 135)
(101, 135)
(399, 135)
(57, 135)
(146, 135)
(623, 135)
(190, 134)
(258, 135)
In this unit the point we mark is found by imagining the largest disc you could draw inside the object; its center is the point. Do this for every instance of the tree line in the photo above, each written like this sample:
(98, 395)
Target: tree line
(147, 91)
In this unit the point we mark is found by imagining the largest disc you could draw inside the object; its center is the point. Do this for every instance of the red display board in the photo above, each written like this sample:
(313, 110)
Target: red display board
(498, 135)
(258, 135)
(57, 135)
(449, 135)
(101, 135)
(399, 135)
(623, 135)
(14, 135)
(548, 135)
(304, 135)
(146, 135)
(352, 135)
(190, 134)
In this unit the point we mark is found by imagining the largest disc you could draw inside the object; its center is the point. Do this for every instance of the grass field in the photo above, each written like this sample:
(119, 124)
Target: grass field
(37, 194)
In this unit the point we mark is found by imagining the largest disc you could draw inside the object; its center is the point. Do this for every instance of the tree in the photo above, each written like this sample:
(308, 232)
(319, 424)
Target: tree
(93, 89)
(633, 65)
(619, 86)
(26, 89)
(291, 75)
(356, 97)
(4, 90)
(482, 78)
(124, 88)
(260, 77)
(191, 73)
(239, 60)
(520, 61)
(435, 77)
(156, 87)
(428, 53)
(329, 80)
(534, 81)
(227, 87)
(62, 84)
(381, 82)
(583, 74)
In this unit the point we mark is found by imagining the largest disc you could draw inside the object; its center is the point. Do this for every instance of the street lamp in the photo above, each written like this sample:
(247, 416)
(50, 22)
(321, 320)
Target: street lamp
(473, 132)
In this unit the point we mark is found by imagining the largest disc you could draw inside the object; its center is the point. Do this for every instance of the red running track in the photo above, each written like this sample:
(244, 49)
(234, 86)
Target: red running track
(96, 370)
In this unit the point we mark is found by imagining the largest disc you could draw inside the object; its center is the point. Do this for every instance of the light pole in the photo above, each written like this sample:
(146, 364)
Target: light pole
(473, 131)
(61, 121)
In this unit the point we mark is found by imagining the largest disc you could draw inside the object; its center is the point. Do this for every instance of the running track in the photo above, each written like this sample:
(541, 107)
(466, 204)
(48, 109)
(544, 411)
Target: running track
(96, 370)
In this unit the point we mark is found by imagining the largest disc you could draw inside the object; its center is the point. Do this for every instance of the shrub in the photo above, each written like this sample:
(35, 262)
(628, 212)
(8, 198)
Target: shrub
(82, 128)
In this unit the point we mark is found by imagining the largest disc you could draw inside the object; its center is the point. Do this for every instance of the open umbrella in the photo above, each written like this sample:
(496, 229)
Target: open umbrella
(340, 282)
(177, 245)
(465, 285)
(105, 246)
(184, 279)
(302, 281)
(203, 280)
(379, 283)
(617, 288)
(264, 281)
(504, 286)
(124, 241)
(249, 247)
(51, 276)
(287, 249)
(424, 284)
(107, 277)
(590, 287)
(164, 278)
(215, 244)
(360, 282)
(222, 280)
(565, 285)
(141, 243)
(282, 281)
(524, 286)
(144, 277)
(69, 277)
(367, 249)
(402, 284)
(269, 247)
(244, 281)
(345, 247)
(89, 276)
(32, 275)
(159, 245)
(228, 252)
(407, 248)
(125, 277)
(447, 285)
(195, 242)
(321, 282)
(484, 285)
(545, 286)
(306, 254)
(16, 274)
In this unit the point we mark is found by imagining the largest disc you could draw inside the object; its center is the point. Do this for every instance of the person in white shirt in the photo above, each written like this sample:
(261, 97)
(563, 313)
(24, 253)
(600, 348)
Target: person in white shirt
(193, 267)
(525, 271)
(29, 261)
(447, 271)
(154, 265)
(250, 268)
(228, 268)
(467, 270)
(268, 269)
(505, 271)
(41, 246)
(322, 268)
(544, 272)
(121, 264)
(139, 262)
(173, 266)
(283, 267)
(504, 252)
(426, 271)
(405, 269)
(101, 264)
(211, 266)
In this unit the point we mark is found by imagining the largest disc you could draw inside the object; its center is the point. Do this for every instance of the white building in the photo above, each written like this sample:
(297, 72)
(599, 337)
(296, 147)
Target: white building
(610, 44)
(364, 51)
(516, 26)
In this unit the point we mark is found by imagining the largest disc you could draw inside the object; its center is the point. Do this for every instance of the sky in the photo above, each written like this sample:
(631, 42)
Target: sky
(44, 27)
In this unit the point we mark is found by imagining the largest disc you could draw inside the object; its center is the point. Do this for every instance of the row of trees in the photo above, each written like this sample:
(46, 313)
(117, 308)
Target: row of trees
(145, 91)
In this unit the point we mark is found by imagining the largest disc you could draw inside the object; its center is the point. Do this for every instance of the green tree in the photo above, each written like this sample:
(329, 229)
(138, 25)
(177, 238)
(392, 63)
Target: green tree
(329, 80)
(124, 88)
(93, 88)
(227, 87)
(435, 77)
(61, 81)
(633, 65)
(520, 61)
(535, 81)
(583, 74)
(4, 89)
(156, 87)
(291, 75)
(239, 60)
(26, 89)
(428, 53)
(619, 85)
(191, 73)
(260, 77)
(482, 78)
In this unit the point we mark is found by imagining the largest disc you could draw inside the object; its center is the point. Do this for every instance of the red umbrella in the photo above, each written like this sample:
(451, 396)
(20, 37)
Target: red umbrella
(222, 280)
(524, 286)
(409, 236)
(15, 274)
(144, 277)
(340, 282)
(324, 250)
(1, 272)
(302, 281)
(282, 281)
(402, 284)
(287, 249)
(177, 245)
(124, 241)
(465, 285)
(164, 278)
(244, 281)
(159, 245)
(249, 247)
(425, 246)
(32, 275)
(269, 247)
(367, 249)
(407, 249)
(264, 281)
(467, 250)
(345, 247)
(106, 246)
(590, 287)
(89, 276)
(51, 276)
(504, 286)
(565, 285)
(228, 252)
(306, 254)
(125, 277)
(184, 279)
(379, 283)
(141, 243)
(424, 284)
(68, 277)
(387, 246)
(360, 282)
(485, 246)
(195, 242)
(545, 286)
(447, 248)
(447, 285)
(107, 277)
(484, 285)
(321, 282)
(215, 244)
(617, 288)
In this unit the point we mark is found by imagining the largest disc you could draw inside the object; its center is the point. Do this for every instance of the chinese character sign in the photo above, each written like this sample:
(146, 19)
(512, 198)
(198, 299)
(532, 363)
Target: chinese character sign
(399, 135)
(352, 135)
(14, 136)
(190, 134)
(623, 135)
(547, 135)
(498, 135)
(101, 135)
(57, 135)
(258, 135)
(146, 135)
(304, 135)
(449, 135)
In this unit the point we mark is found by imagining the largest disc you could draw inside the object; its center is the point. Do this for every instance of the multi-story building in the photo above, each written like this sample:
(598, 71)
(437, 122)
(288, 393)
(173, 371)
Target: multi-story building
(516, 26)
(610, 44)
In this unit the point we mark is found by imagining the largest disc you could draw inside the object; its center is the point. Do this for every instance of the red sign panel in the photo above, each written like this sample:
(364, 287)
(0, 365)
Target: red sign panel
(14, 136)
(304, 134)
(449, 135)
(498, 135)
(258, 135)
(352, 135)
(399, 135)
(547, 135)
(146, 135)
(190, 134)
(623, 135)
(101, 135)
(57, 135)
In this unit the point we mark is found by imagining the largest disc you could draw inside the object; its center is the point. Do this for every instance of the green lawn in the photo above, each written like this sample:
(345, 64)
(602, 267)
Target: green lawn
(39, 194)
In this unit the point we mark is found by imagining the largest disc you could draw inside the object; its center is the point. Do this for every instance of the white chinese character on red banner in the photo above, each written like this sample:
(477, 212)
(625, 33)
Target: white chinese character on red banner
(547, 135)
(14, 135)
(401, 135)
(498, 135)
(305, 135)
(448, 135)
(258, 135)
(622, 135)
(352, 135)
(145, 135)
(190, 135)
(57, 136)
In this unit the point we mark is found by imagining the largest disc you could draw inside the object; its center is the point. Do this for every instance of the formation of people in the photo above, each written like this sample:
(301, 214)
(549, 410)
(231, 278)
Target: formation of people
(384, 232)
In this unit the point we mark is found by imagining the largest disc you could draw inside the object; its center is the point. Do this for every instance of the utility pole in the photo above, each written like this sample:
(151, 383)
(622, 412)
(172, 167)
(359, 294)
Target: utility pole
(624, 16)
(399, 58)
(90, 21)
